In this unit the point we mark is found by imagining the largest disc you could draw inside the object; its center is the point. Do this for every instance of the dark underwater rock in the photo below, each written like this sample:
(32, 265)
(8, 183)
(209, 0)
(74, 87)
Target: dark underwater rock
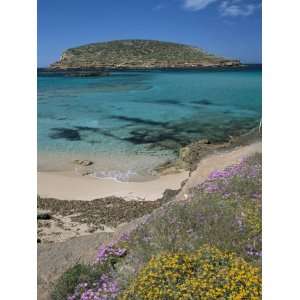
(65, 133)
(84, 162)
(202, 102)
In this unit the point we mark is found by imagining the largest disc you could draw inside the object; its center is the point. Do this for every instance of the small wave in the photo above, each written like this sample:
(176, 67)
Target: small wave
(119, 176)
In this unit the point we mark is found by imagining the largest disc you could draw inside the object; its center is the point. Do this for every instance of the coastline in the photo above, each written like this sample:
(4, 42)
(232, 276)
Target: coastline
(71, 185)
(117, 166)
(101, 71)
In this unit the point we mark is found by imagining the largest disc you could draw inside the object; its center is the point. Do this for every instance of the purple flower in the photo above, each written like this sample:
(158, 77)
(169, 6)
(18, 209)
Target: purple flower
(106, 288)
(106, 251)
(219, 180)
(124, 237)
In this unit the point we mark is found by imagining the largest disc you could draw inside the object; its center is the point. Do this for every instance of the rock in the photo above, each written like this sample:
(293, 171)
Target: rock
(43, 214)
(184, 153)
(168, 167)
(86, 173)
(190, 155)
(169, 144)
(191, 151)
(204, 141)
(171, 170)
(39, 240)
(183, 183)
(84, 163)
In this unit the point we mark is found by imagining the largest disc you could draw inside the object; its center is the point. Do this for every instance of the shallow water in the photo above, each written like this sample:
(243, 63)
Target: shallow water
(135, 120)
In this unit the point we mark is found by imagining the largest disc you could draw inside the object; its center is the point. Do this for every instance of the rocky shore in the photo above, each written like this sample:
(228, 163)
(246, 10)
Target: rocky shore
(190, 155)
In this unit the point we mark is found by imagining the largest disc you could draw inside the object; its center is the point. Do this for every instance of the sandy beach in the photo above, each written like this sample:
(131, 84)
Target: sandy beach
(71, 186)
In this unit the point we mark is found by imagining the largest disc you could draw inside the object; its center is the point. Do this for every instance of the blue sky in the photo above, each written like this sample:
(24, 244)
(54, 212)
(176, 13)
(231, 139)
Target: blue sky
(231, 28)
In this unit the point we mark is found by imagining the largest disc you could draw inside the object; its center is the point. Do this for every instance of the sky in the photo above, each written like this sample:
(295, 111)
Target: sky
(230, 28)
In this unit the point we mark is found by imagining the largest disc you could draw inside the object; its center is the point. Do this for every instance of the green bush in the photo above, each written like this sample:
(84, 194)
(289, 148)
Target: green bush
(77, 274)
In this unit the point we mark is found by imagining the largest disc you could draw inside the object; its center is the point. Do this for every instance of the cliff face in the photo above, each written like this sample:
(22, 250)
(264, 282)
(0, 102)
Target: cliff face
(134, 54)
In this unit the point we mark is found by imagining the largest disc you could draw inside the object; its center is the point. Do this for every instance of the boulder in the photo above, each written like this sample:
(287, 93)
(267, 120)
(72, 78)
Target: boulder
(84, 162)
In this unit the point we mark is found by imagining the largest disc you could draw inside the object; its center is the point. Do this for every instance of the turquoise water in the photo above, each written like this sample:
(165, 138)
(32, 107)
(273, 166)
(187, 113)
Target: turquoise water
(144, 114)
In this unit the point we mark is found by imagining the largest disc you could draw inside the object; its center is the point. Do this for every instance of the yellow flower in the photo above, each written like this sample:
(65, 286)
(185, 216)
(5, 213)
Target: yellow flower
(207, 274)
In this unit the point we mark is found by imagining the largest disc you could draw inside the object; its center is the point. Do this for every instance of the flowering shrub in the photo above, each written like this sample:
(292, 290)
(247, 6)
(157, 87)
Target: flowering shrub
(220, 181)
(240, 183)
(105, 288)
(92, 282)
(78, 278)
(109, 251)
(205, 274)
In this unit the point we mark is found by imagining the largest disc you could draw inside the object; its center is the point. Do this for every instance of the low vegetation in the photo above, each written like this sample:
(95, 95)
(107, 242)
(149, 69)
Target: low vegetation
(138, 54)
(111, 211)
(205, 274)
(205, 247)
(71, 279)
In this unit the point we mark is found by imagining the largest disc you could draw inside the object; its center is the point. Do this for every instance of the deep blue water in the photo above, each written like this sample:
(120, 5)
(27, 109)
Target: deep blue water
(150, 113)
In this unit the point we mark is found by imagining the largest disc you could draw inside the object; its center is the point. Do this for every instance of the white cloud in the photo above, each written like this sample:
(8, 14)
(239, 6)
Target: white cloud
(197, 4)
(236, 8)
(231, 8)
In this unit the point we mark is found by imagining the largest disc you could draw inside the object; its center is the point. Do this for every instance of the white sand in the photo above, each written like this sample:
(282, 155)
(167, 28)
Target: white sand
(69, 186)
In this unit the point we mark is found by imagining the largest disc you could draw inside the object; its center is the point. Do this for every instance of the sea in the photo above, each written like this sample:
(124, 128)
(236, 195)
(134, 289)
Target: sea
(130, 122)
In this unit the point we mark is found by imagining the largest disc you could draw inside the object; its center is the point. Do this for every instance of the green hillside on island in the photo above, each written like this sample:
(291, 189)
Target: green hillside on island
(132, 54)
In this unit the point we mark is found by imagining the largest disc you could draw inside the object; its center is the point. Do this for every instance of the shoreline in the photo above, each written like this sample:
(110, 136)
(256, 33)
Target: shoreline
(64, 71)
(71, 185)
(118, 166)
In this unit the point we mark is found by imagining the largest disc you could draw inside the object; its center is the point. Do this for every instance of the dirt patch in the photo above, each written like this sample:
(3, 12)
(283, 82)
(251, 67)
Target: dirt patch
(76, 218)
